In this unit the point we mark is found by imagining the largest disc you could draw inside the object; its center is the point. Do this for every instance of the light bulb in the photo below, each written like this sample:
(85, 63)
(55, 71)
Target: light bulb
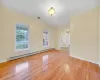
(51, 11)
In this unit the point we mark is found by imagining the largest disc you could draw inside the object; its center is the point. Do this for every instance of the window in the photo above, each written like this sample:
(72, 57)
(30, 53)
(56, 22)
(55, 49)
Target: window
(45, 39)
(22, 35)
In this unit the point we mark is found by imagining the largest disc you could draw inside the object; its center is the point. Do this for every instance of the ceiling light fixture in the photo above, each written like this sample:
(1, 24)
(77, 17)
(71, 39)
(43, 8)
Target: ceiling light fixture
(51, 11)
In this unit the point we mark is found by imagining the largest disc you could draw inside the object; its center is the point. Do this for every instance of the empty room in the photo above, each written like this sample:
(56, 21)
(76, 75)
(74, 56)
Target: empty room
(49, 39)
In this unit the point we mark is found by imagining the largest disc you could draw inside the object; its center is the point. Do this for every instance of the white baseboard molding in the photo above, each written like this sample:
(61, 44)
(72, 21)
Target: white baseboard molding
(85, 60)
(28, 54)
(25, 55)
(99, 63)
(2, 61)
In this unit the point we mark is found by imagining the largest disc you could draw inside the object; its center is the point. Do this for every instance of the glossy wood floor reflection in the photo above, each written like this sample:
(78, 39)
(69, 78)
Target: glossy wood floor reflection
(50, 65)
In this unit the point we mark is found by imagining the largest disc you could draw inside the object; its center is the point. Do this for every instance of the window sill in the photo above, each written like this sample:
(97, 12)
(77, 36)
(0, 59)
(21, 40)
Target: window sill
(20, 50)
(45, 46)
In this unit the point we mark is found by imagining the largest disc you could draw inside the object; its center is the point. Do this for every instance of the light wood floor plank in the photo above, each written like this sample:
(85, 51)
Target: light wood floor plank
(49, 65)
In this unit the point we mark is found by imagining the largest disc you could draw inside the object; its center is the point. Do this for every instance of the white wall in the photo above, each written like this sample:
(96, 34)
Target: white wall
(1, 32)
(84, 36)
(99, 34)
(8, 21)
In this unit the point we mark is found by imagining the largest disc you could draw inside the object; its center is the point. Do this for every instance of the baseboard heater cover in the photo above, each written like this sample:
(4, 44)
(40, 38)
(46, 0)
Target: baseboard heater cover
(28, 54)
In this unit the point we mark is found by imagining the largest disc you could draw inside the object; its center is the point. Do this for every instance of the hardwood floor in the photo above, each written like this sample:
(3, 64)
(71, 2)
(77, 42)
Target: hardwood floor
(50, 65)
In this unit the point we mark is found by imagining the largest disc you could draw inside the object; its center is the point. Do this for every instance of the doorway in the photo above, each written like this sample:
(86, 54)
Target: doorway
(65, 41)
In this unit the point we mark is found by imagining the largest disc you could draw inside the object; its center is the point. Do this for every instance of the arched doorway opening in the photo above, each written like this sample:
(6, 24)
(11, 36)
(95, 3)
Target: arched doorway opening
(65, 41)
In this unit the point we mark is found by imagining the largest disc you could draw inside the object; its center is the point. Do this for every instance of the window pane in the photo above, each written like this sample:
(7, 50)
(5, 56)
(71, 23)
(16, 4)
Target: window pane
(45, 39)
(21, 37)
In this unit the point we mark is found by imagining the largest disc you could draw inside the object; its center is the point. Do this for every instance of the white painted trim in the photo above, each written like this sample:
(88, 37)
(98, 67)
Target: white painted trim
(25, 55)
(3, 61)
(48, 39)
(99, 63)
(85, 60)
(21, 50)
(18, 50)
(28, 54)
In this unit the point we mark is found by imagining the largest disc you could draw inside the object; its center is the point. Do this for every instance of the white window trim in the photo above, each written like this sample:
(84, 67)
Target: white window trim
(18, 50)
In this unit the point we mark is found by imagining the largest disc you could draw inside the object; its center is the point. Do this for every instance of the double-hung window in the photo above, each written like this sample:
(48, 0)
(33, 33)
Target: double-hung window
(22, 37)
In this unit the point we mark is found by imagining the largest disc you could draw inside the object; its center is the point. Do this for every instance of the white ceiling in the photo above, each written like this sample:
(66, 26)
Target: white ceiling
(64, 9)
